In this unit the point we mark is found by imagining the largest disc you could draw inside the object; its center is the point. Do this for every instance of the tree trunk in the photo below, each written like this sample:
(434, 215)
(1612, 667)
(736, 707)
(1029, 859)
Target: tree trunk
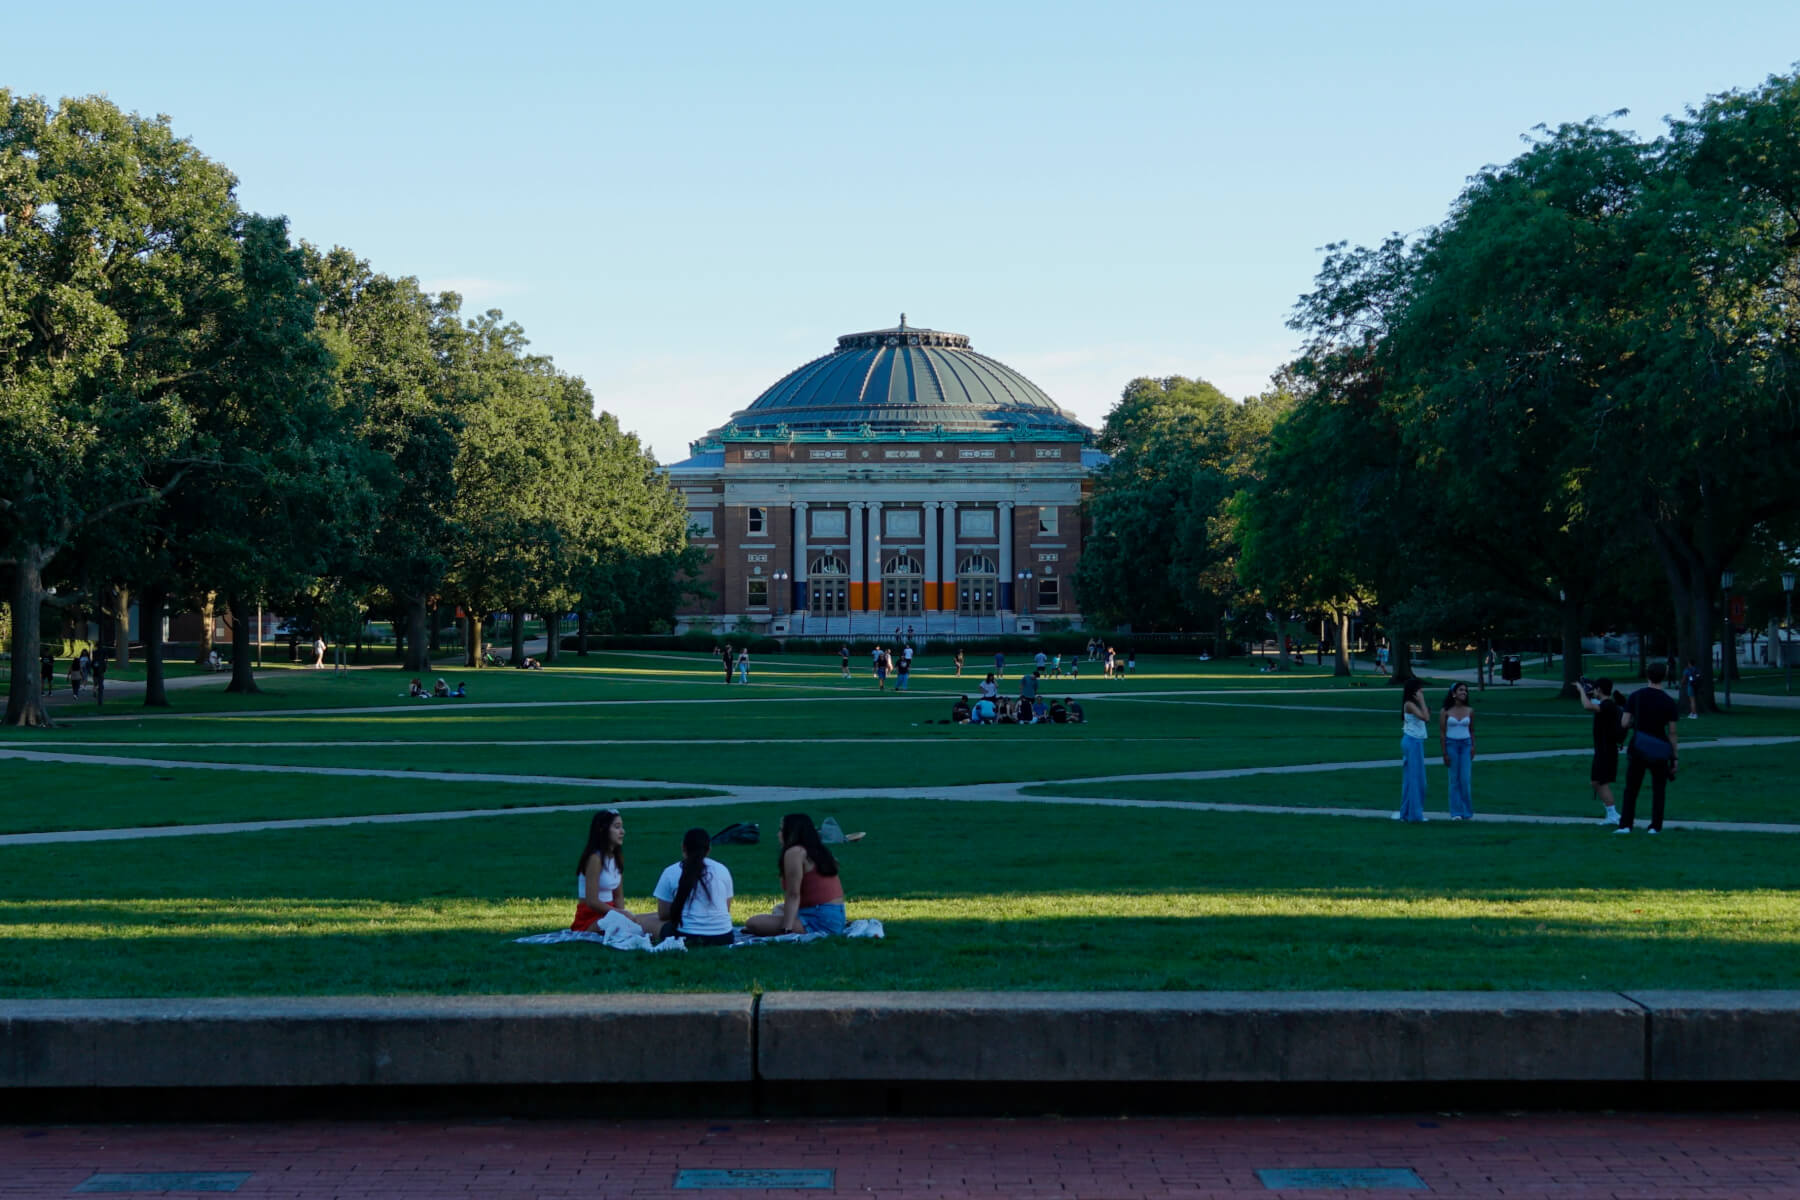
(552, 627)
(25, 705)
(1400, 660)
(1571, 640)
(208, 614)
(472, 640)
(581, 635)
(122, 626)
(150, 613)
(437, 621)
(418, 638)
(243, 670)
(518, 636)
(1341, 651)
(1286, 662)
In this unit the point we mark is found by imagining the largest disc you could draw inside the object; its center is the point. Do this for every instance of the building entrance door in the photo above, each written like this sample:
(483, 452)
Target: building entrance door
(902, 586)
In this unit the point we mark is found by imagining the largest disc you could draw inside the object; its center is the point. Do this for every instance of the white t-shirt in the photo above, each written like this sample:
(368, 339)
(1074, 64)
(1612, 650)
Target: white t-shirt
(708, 910)
(610, 879)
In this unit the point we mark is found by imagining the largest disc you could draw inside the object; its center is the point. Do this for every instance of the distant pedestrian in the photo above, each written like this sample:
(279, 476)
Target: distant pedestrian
(1131, 662)
(725, 657)
(1690, 687)
(881, 669)
(1415, 722)
(1608, 729)
(1652, 717)
(958, 660)
(905, 669)
(844, 658)
(999, 665)
(1456, 730)
(75, 679)
(743, 665)
(47, 672)
(99, 680)
(86, 663)
(319, 653)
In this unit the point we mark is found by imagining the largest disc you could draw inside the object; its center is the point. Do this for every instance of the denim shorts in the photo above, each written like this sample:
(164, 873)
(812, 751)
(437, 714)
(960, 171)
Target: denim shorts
(823, 918)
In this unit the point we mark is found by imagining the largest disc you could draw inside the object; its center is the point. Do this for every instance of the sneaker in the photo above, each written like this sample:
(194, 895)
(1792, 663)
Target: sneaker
(1654, 832)
(1622, 829)
(1693, 716)
(1396, 817)
(1613, 821)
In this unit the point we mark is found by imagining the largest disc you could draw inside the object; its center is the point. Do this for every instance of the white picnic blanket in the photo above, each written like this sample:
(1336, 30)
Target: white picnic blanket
(622, 933)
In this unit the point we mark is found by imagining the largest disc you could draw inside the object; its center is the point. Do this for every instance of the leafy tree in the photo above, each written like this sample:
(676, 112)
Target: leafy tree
(117, 247)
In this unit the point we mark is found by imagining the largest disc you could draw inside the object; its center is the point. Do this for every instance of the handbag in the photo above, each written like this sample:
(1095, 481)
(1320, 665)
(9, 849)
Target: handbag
(1649, 747)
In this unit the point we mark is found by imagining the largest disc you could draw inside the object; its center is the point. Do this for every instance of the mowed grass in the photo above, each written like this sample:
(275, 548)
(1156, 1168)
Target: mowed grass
(973, 894)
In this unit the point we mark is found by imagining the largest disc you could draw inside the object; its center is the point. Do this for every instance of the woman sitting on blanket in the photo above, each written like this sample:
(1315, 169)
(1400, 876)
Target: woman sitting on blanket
(813, 894)
(600, 875)
(693, 897)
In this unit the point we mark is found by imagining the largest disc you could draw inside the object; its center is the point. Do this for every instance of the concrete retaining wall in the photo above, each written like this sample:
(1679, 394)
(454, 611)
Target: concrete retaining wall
(858, 1037)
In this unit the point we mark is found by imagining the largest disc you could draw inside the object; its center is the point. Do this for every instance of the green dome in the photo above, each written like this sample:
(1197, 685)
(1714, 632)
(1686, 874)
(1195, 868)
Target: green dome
(904, 380)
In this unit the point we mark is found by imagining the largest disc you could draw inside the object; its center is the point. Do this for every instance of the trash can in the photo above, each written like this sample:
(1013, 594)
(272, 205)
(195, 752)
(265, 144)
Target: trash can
(1511, 669)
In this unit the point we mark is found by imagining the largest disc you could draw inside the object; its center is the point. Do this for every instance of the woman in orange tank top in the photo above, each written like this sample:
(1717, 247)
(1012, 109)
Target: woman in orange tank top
(812, 894)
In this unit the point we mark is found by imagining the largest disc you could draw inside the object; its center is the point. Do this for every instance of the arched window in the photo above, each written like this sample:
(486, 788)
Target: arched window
(902, 586)
(977, 585)
(828, 586)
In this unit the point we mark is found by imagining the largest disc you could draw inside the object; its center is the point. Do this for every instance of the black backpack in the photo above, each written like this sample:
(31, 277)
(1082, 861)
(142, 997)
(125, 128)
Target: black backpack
(739, 833)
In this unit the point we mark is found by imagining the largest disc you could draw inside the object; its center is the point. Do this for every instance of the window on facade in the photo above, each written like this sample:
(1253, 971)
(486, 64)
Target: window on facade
(1047, 521)
(756, 520)
(757, 593)
(1048, 596)
(700, 525)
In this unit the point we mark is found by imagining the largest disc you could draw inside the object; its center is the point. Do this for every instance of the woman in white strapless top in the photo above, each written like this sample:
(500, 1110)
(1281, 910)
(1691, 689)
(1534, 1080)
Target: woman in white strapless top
(1415, 723)
(1456, 728)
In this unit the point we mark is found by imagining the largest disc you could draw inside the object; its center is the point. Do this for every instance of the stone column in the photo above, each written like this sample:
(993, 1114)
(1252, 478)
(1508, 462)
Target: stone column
(930, 519)
(950, 555)
(798, 587)
(872, 588)
(1003, 528)
(857, 572)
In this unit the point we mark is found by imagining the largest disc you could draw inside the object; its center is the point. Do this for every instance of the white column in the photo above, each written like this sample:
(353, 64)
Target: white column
(930, 517)
(799, 571)
(856, 550)
(872, 581)
(1003, 527)
(951, 552)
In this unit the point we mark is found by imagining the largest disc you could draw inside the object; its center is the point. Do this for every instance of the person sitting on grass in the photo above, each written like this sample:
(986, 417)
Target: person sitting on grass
(1040, 711)
(461, 690)
(1008, 714)
(442, 690)
(416, 691)
(959, 712)
(813, 895)
(693, 896)
(1059, 713)
(1076, 715)
(600, 876)
(984, 712)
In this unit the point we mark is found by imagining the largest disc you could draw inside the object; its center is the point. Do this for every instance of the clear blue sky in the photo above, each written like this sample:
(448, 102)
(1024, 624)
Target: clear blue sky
(682, 202)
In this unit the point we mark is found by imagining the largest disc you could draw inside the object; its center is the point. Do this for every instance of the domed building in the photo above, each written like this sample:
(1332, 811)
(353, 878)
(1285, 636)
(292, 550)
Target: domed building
(902, 481)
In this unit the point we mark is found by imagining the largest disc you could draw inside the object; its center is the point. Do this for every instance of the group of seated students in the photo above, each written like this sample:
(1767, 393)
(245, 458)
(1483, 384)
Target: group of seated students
(442, 691)
(693, 896)
(1000, 710)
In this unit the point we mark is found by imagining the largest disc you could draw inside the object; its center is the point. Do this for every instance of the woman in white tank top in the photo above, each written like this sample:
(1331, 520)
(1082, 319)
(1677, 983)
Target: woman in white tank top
(1456, 728)
(1415, 723)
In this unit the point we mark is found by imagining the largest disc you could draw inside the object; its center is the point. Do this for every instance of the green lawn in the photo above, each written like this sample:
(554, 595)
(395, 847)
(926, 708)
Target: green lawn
(973, 893)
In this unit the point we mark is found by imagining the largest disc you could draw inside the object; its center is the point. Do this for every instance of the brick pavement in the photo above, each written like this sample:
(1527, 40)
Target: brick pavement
(1619, 1156)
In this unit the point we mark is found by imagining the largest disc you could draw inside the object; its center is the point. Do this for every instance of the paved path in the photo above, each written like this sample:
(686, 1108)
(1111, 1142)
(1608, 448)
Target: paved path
(1018, 792)
(1619, 1156)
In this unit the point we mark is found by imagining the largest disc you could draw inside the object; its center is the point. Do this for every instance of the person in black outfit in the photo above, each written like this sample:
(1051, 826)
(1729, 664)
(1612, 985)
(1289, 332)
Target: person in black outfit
(1651, 714)
(1597, 698)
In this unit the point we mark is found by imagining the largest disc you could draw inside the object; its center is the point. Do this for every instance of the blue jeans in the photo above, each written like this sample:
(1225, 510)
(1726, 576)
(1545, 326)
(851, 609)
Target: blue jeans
(1412, 779)
(1462, 799)
(823, 918)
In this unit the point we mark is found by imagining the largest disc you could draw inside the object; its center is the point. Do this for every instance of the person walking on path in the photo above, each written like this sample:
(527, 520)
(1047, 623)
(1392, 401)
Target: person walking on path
(47, 672)
(844, 659)
(905, 669)
(1690, 687)
(743, 665)
(319, 653)
(99, 681)
(1456, 729)
(1607, 731)
(999, 665)
(726, 658)
(1652, 717)
(86, 663)
(1415, 722)
(881, 669)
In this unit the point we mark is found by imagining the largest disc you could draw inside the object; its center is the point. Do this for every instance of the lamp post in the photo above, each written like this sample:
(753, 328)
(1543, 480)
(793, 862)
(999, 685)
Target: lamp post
(1025, 591)
(1728, 650)
(1787, 631)
(781, 597)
